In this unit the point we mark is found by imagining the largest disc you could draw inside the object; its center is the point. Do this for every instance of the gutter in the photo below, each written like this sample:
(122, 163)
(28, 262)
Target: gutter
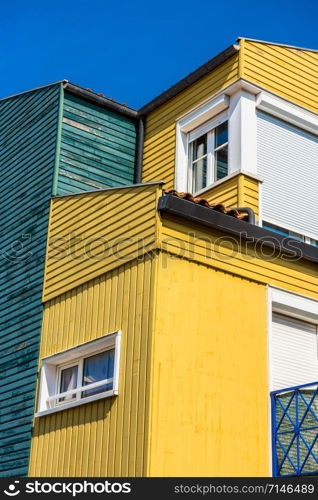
(172, 205)
(100, 100)
(189, 80)
(140, 150)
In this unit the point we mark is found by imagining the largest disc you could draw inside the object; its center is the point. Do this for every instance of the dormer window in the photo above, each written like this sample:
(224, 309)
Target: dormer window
(208, 157)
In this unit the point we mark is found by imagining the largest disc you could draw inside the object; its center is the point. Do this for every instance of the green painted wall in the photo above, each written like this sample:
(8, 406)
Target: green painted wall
(28, 130)
(98, 147)
(50, 142)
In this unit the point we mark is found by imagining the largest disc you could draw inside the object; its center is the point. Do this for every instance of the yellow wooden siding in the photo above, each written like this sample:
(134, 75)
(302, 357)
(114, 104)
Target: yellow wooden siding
(222, 252)
(226, 193)
(91, 233)
(291, 73)
(107, 437)
(159, 146)
(249, 194)
(238, 191)
(209, 388)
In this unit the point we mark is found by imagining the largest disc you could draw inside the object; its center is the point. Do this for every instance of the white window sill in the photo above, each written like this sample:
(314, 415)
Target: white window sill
(227, 178)
(79, 402)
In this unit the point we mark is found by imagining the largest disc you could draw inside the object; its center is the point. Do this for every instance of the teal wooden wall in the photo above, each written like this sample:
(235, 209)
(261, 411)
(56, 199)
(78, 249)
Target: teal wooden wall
(28, 130)
(98, 147)
(50, 142)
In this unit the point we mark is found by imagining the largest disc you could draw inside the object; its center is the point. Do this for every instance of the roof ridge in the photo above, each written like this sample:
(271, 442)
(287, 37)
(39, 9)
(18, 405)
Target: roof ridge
(275, 43)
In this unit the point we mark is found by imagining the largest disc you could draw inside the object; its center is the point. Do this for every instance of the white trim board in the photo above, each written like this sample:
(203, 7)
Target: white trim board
(287, 112)
(50, 369)
(291, 304)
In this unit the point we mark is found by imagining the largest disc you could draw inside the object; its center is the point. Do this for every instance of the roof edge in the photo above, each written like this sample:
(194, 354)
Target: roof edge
(100, 100)
(275, 43)
(33, 90)
(253, 234)
(190, 79)
(88, 95)
(113, 188)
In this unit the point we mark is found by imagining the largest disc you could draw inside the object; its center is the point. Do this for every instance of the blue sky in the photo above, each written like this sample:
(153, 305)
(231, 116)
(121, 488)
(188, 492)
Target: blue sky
(133, 50)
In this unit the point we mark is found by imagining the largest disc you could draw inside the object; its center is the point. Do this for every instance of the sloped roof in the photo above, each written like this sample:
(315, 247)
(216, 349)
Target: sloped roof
(189, 80)
(97, 98)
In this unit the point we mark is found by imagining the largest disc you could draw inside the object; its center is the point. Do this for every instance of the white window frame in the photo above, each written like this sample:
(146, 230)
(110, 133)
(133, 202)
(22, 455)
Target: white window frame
(239, 105)
(207, 129)
(52, 366)
(197, 122)
(60, 368)
(290, 304)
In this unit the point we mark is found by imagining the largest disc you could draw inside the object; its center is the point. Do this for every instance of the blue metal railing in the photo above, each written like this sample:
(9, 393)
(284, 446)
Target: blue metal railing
(295, 430)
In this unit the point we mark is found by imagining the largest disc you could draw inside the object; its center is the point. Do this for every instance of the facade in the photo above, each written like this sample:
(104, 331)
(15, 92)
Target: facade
(56, 139)
(179, 332)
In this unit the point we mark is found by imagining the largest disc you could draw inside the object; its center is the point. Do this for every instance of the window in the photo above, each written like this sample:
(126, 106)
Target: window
(291, 234)
(80, 374)
(208, 158)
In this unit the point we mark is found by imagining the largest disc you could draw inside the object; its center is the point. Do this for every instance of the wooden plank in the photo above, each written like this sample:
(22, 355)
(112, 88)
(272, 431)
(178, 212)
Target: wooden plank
(98, 147)
(27, 147)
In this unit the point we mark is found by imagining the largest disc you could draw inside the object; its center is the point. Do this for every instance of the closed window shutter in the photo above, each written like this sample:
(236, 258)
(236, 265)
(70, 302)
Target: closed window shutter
(287, 160)
(294, 352)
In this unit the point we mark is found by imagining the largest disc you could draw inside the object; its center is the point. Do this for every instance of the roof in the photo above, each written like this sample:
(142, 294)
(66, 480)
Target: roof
(253, 234)
(97, 98)
(204, 70)
(100, 99)
(238, 213)
(190, 79)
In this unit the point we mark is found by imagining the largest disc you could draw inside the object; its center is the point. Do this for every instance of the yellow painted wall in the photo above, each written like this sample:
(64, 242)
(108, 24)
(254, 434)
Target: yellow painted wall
(107, 437)
(91, 233)
(226, 193)
(238, 191)
(223, 252)
(209, 391)
(289, 72)
(159, 146)
(248, 192)
(186, 388)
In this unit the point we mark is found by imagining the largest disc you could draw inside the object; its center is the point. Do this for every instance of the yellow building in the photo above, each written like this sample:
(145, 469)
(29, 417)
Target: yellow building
(168, 321)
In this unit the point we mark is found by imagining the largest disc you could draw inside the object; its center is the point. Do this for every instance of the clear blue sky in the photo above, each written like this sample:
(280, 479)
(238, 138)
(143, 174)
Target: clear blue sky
(133, 50)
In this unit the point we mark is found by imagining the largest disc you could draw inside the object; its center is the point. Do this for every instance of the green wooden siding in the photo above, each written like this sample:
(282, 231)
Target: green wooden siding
(28, 130)
(44, 146)
(98, 147)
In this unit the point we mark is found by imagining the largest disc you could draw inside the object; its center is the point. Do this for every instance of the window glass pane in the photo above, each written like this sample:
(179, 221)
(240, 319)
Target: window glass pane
(221, 162)
(68, 382)
(199, 147)
(199, 175)
(96, 368)
(221, 134)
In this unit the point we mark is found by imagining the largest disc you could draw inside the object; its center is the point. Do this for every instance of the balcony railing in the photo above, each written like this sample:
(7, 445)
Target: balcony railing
(295, 430)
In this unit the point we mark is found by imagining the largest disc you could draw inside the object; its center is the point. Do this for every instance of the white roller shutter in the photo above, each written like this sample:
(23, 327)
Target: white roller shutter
(294, 352)
(287, 159)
